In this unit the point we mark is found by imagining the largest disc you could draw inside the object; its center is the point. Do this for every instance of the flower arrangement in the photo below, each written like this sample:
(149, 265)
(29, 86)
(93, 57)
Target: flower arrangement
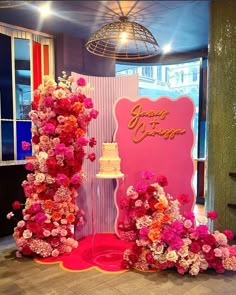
(163, 238)
(60, 119)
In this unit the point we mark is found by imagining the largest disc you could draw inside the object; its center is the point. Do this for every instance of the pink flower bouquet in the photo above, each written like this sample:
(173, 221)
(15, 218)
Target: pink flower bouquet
(163, 238)
(60, 119)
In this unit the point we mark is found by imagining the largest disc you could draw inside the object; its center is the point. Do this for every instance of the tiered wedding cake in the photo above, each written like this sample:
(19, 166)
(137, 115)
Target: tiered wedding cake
(109, 161)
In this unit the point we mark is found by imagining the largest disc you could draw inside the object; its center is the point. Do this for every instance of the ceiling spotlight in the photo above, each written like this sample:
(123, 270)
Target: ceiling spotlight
(166, 48)
(45, 10)
(124, 40)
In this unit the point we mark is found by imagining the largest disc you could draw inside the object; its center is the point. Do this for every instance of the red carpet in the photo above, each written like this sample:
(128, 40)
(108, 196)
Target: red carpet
(102, 251)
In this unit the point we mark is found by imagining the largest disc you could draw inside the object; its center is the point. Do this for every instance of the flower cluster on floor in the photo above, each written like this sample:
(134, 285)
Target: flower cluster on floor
(60, 119)
(163, 238)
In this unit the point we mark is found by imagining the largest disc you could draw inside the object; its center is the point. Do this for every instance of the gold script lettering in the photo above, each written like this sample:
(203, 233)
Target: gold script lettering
(137, 112)
(143, 129)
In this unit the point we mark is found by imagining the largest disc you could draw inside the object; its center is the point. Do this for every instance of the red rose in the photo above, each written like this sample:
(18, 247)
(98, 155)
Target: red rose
(183, 199)
(16, 205)
(26, 250)
(35, 139)
(92, 142)
(212, 215)
(152, 203)
(150, 259)
(210, 240)
(195, 247)
(133, 258)
(162, 180)
(137, 250)
(150, 189)
(92, 157)
(125, 264)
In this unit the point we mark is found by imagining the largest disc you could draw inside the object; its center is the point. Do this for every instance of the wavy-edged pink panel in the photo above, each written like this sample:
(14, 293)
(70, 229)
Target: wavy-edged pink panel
(144, 145)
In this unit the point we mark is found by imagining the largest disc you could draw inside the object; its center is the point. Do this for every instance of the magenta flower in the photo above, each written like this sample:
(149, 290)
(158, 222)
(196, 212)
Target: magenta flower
(25, 145)
(147, 174)
(88, 103)
(81, 82)
(49, 128)
(177, 227)
(76, 179)
(202, 231)
(62, 179)
(94, 114)
(60, 149)
(48, 102)
(35, 207)
(143, 232)
(40, 217)
(82, 141)
(212, 215)
(141, 187)
(189, 215)
(29, 166)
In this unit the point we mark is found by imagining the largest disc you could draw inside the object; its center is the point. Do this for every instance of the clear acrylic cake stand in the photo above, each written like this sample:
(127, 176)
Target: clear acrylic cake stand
(103, 255)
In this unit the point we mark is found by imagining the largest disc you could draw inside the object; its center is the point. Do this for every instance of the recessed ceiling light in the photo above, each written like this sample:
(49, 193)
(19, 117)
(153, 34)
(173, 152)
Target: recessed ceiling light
(166, 48)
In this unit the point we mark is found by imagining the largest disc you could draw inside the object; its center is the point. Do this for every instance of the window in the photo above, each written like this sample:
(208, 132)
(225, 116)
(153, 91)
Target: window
(167, 74)
(20, 51)
(147, 72)
(194, 74)
(182, 76)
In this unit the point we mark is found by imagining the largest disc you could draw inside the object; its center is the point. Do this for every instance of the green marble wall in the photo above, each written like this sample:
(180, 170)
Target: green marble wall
(221, 113)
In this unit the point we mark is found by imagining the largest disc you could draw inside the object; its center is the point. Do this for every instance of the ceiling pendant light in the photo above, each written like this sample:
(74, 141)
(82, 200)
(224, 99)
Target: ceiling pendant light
(123, 40)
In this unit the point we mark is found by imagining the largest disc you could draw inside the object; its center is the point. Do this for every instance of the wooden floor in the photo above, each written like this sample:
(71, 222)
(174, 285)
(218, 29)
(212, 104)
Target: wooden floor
(24, 276)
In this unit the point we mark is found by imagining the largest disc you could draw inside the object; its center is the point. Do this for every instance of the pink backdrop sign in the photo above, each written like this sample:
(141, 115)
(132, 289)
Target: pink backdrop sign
(155, 135)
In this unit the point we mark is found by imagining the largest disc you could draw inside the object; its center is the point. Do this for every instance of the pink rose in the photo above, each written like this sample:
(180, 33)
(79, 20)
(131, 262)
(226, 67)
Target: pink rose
(94, 114)
(206, 248)
(10, 215)
(218, 252)
(183, 199)
(25, 146)
(21, 223)
(55, 253)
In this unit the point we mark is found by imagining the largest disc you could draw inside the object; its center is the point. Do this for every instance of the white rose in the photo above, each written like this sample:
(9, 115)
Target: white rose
(172, 256)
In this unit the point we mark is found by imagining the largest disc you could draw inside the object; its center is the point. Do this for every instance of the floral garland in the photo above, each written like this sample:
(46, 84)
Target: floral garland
(163, 238)
(60, 120)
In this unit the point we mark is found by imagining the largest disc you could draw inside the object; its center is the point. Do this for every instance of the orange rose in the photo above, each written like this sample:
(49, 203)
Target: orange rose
(70, 218)
(48, 204)
(154, 235)
(79, 132)
(56, 216)
(77, 107)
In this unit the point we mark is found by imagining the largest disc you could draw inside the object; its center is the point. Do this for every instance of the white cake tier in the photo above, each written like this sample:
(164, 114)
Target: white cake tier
(109, 150)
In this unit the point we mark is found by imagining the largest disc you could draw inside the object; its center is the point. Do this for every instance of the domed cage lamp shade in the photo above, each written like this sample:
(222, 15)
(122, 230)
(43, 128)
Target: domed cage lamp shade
(12, 4)
(124, 40)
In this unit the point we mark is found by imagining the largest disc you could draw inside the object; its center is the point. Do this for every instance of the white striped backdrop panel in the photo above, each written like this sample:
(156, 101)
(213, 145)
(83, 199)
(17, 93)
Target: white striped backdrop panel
(96, 196)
